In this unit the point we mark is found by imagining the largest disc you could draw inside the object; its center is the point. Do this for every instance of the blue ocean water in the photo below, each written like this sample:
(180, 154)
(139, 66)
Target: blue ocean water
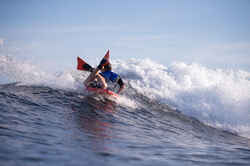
(184, 114)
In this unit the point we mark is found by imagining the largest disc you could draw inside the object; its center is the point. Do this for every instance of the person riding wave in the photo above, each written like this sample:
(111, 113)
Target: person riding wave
(101, 75)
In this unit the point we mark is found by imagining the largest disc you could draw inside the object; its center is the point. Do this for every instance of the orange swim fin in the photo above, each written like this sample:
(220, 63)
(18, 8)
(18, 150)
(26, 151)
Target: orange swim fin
(106, 56)
(104, 61)
(82, 65)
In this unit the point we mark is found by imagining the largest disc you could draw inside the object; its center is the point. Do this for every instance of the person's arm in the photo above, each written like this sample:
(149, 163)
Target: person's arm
(121, 84)
(102, 81)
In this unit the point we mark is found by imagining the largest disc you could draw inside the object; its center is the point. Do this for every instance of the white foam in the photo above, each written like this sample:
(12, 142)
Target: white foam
(215, 96)
(127, 102)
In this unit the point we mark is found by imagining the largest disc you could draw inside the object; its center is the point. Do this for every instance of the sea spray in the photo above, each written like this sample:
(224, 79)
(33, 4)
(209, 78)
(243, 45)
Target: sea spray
(29, 74)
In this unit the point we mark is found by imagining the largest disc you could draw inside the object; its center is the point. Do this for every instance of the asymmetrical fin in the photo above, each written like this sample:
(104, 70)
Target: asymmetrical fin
(104, 61)
(82, 65)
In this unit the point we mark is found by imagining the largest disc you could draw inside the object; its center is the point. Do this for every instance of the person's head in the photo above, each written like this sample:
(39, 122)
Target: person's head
(107, 67)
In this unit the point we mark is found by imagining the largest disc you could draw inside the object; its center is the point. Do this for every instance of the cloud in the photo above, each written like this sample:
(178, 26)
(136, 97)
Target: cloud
(79, 29)
(225, 50)
(230, 55)
(241, 47)
(1, 42)
(146, 41)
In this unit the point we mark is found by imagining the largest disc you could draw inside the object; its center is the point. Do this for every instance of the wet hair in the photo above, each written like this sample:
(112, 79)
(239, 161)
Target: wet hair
(108, 67)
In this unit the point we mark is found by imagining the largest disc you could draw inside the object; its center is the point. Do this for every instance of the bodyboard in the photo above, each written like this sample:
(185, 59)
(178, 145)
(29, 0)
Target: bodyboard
(102, 91)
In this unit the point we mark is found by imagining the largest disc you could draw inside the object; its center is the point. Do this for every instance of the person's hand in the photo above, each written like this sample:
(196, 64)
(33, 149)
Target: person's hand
(121, 88)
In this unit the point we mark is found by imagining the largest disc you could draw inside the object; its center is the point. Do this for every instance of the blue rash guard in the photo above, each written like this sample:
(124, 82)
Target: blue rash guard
(110, 76)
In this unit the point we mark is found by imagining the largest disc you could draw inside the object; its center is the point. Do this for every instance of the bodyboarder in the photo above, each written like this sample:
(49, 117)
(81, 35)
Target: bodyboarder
(102, 74)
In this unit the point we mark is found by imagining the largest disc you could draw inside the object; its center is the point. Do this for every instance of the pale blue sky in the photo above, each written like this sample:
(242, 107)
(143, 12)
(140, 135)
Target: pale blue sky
(52, 33)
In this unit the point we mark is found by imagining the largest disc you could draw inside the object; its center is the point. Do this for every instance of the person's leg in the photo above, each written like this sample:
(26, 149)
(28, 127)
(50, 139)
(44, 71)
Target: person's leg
(101, 80)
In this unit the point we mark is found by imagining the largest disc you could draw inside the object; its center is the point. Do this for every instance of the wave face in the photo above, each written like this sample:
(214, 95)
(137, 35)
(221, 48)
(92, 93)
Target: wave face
(183, 113)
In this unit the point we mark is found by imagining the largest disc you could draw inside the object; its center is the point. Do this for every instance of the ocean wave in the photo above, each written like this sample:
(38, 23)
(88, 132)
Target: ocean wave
(217, 97)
